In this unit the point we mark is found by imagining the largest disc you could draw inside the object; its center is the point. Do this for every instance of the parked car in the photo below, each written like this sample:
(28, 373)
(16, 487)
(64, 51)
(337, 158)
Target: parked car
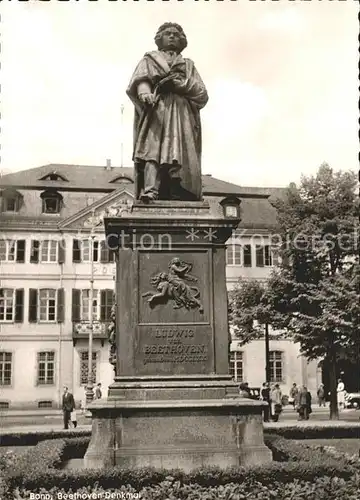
(352, 400)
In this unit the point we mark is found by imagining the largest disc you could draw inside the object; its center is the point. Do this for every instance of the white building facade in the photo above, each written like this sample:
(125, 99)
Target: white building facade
(46, 260)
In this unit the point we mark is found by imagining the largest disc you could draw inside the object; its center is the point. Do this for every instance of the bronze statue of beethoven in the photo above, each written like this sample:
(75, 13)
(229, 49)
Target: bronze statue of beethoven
(168, 93)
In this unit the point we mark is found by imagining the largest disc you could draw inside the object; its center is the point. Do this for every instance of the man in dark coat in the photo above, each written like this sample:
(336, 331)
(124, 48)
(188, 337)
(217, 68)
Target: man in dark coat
(265, 396)
(68, 405)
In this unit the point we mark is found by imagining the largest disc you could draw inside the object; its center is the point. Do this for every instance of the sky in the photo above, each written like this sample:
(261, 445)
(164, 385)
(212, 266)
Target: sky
(281, 77)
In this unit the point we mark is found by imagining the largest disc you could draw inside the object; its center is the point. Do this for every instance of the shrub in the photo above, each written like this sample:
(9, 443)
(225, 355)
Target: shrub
(37, 470)
(316, 432)
(33, 438)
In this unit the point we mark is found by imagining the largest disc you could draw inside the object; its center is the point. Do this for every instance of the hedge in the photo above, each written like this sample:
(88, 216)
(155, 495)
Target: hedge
(325, 488)
(316, 432)
(38, 469)
(294, 432)
(32, 438)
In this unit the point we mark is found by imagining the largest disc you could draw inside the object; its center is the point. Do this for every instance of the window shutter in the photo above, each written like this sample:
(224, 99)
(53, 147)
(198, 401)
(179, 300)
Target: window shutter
(61, 251)
(103, 298)
(109, 303)
(104, 252)
(247, 255)
(60, 305)
(19, 305)
(35, 249)
(20, 251)
(76, 251)
(259, 256)
(76, 305)
(33, 305)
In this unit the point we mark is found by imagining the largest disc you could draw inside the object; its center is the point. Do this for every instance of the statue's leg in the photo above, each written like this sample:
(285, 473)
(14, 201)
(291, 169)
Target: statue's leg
(151, 181)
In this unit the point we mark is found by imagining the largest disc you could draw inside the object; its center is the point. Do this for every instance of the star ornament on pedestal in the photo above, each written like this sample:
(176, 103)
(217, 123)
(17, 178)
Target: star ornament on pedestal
(210, 234)
(192, 234)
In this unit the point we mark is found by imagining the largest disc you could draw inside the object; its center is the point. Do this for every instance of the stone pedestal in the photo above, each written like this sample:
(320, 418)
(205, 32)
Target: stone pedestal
(173, 403)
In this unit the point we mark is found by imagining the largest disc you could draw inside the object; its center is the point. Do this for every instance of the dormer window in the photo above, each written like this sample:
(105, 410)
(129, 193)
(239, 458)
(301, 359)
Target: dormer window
(122, 179)
(51, 202)
(10, 200)
(10, 205)
(53, 176)
(231, 207)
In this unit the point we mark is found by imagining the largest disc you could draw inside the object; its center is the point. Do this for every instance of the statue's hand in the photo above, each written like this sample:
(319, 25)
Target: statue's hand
(147, 98)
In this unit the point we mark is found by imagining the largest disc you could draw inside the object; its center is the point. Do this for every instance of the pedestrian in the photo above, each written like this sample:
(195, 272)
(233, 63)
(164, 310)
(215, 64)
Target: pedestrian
(276, 402)
(303, 405)
(98, 393)
(321, 395)
(83, 402)
(293, 395)
(244, 390)
(68, 405)
(341, 393)
(265, 395)
(308, 404)
(73, 418)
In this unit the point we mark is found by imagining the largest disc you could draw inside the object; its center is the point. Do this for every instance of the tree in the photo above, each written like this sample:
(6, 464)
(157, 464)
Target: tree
(315, 289)
(251, 312)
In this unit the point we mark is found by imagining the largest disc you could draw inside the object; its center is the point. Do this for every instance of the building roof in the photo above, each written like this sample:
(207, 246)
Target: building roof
(78, 181)
(101, 178)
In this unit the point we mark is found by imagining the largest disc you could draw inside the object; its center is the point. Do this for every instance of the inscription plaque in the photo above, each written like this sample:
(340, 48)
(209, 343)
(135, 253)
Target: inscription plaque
(175, 349)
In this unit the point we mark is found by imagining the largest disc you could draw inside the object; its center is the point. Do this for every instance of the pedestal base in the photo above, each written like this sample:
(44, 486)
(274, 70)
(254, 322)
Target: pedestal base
(177, 434)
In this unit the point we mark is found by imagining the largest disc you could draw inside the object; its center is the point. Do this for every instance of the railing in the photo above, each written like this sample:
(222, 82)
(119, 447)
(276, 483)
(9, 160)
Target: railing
(81, 330)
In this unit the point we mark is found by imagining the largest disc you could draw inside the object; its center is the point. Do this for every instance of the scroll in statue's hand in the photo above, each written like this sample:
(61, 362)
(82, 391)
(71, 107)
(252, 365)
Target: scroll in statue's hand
(172, 83)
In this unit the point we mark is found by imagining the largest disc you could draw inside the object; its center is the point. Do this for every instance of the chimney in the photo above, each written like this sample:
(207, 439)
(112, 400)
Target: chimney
(108, 164)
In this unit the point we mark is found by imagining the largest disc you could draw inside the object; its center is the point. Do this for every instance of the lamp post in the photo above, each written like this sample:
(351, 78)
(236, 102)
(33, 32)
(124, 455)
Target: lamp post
(90, 382)
(267, 354)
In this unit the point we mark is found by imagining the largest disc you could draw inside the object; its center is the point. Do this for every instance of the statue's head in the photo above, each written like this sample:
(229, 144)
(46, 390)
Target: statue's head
(171, 36)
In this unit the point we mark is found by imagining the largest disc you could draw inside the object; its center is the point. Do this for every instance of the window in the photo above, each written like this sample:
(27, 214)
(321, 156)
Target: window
(85, 250)
(231, 206)
(53, 176)
(238, 255)
(45, 404)
(247, 256)
(122, 179)
(51, 206)
(11, 305)
(46, 368)
(48, 251)
(5, 368)
(231, 211)
(12, 250)
(276, 366)
(47, 305)
(84, 363)
(102, 304)
(10, 205)
(236, 366)
(7, 304)
(100, 253)
(233, 255)
(85, 305)
(10, 200)
(51, 202)
(263, 256)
